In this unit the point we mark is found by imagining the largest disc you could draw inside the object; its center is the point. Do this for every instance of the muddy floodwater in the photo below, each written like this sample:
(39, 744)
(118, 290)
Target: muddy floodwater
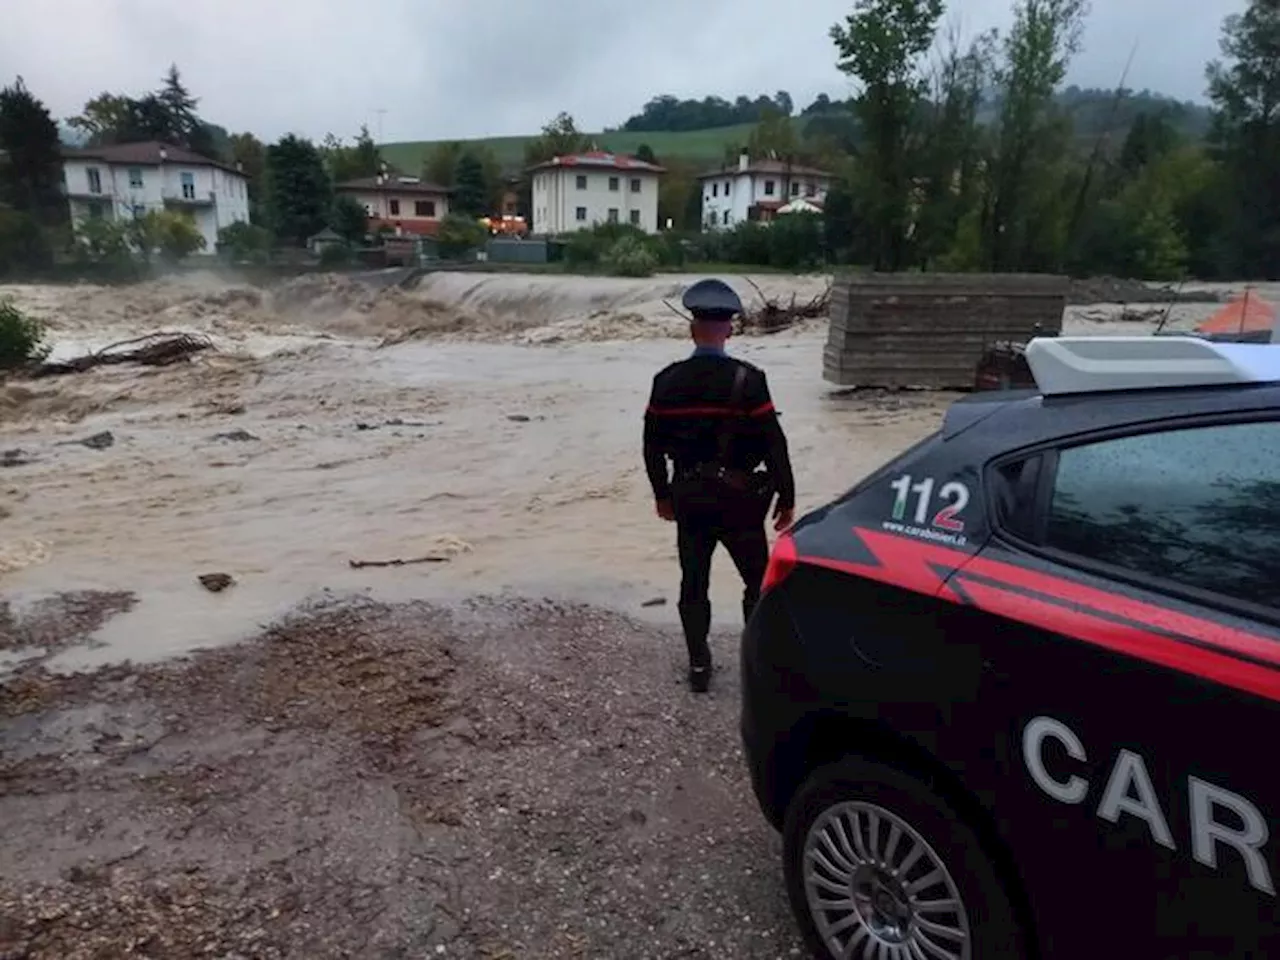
(493, 418)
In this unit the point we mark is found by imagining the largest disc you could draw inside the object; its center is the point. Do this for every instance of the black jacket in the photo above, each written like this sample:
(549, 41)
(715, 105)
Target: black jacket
(687, 409)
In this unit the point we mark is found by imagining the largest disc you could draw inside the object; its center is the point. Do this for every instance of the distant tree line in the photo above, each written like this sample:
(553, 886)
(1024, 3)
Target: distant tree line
(669, 113)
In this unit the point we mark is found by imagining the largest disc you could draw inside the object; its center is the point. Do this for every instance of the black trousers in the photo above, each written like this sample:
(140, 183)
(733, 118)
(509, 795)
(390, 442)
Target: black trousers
(697, 536)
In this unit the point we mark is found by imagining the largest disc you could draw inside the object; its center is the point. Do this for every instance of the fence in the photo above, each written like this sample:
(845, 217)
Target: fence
(930, 330)
(516, 250)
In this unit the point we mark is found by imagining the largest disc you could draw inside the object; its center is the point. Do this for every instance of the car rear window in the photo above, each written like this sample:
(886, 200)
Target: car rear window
(1196, 507)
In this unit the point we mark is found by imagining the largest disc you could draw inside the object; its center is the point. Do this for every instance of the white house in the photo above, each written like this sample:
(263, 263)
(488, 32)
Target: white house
(575, 192)
(130, 179)
(760, 190)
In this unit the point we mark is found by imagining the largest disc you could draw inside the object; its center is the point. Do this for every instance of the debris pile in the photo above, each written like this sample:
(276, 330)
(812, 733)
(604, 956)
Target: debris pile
(770, 315)
(151, 350)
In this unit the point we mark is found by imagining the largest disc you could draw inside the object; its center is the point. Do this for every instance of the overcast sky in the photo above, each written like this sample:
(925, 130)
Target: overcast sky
(472, 68)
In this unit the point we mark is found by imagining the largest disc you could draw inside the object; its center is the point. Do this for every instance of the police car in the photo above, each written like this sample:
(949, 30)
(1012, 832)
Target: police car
(1013, 694)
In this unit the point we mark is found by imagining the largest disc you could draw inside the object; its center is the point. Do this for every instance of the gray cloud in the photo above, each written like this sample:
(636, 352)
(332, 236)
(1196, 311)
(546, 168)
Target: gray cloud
(444, 68)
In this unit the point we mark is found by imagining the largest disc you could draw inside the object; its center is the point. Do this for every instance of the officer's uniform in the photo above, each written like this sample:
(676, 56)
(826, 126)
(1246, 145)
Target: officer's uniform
(712, 416)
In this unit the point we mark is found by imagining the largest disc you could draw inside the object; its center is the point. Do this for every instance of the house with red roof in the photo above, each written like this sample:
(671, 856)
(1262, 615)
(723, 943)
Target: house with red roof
(579, 191)
(760, 190)
(407, 206)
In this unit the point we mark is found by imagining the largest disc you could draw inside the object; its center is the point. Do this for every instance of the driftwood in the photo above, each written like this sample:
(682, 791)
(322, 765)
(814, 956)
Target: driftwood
(771, 316)
(152, 350)
(398, 562)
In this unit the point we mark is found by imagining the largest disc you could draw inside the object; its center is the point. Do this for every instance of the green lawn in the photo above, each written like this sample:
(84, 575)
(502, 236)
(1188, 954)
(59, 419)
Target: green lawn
(703, 148)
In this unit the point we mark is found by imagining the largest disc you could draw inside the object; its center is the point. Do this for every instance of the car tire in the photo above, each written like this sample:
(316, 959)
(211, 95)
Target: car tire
(825, 863)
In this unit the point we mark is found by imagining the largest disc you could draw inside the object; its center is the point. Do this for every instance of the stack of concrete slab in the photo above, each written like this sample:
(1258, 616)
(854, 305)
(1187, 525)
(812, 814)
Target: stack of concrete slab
(930, 329)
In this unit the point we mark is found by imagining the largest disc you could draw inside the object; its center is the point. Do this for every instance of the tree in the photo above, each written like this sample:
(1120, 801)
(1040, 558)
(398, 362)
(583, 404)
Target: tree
(299, 194)
(1045, 35)
(645, 153)
(250, 155)
(30, 157)
(1244, 87)
(471, 193)
(882, 44)
(103, 118)
(441, 163)
(559, 138)
(348, 219)
(774, 135)
(360, 160)
(950, 170)
(168, 115)
(460, 235)
(172, 235)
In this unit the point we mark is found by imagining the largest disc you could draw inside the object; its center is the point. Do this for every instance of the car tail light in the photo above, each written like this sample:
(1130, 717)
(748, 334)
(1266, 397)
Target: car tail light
(781, 562)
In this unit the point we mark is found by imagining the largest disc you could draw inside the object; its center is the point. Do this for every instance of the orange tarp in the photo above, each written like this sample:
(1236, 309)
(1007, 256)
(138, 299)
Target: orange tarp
(1244, 314)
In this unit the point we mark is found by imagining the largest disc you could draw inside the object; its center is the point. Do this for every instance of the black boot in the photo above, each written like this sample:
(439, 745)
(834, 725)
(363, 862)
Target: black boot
(696, 620)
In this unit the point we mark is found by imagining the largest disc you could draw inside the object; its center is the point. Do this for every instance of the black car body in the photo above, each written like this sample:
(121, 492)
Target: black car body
(1050, 631)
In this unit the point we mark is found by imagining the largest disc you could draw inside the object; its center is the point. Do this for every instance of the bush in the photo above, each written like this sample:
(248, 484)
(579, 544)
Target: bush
(21, 337)
(335, 255)
(102, 247)
(245, 241)
(459, 235)
(630, 257)
(172, 235)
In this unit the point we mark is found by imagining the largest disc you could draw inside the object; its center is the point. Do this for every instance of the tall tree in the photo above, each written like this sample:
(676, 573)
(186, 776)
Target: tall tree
(774, 135)
(30, 156)
(882, 44)
(103, 118)
(951, 170)
(471, 193)
(299, 193)
(360, 159)
(440, 165)
(1045, 36)
(1245, 88)
(250, 155)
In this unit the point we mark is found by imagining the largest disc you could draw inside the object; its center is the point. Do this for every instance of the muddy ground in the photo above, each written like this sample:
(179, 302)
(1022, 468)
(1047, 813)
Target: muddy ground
(492, 779)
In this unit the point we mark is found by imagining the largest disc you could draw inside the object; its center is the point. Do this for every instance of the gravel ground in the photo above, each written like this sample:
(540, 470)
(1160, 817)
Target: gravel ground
(503, 779)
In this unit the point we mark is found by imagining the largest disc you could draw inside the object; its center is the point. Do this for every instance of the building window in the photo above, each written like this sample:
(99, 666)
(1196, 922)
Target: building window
(715, 189)
(726, 188)
(635, 218)
(635, 184)
(394, 207)
(582, 181)
(810, 189)
(726, 218)
(768, 188)
(139, 211)
(188, 186)
(581, 214)
(613, 214)
(135, 178)
(95, 180)
(613, 184)
(795, 189)
(424, 208)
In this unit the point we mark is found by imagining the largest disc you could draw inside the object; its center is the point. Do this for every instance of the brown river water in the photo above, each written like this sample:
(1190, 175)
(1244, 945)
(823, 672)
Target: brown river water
(503, 432)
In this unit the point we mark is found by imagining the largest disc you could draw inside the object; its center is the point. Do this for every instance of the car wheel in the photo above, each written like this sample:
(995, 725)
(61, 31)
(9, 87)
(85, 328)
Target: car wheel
(877, 865)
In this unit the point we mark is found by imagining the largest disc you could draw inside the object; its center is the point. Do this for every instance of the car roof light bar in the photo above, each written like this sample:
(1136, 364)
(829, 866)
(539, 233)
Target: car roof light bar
(1066, 365)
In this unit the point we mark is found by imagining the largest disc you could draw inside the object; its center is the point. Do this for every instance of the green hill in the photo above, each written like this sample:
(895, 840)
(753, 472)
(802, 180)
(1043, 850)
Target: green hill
(701, 147)
(1093, 113)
